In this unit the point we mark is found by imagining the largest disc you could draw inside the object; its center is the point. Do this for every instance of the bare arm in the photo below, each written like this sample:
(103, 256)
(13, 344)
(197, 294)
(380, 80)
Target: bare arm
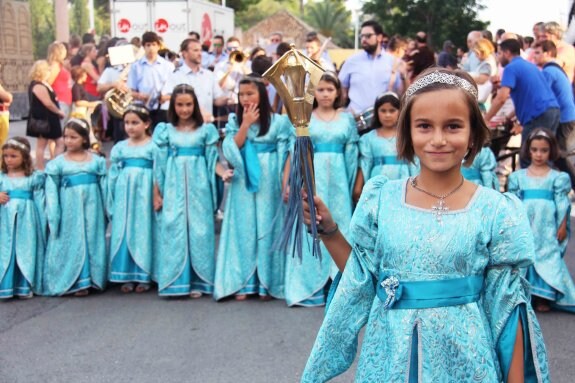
(502, 96)
(5, 96)
(91, 71)
(250, 116)
(54, 72)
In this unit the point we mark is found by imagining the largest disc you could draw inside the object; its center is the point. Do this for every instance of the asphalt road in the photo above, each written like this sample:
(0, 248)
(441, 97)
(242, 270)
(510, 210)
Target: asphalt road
(112, 337)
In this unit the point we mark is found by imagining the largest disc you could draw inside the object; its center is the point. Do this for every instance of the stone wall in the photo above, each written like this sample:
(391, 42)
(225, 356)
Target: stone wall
(16, 55)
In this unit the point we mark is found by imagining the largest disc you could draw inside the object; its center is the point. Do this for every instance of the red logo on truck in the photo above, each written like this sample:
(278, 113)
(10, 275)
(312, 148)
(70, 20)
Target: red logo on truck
(124, 25)
(161, 25)
(206, 27)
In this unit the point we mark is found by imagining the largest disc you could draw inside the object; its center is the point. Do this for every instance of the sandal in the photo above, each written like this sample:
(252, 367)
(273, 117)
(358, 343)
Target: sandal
(241, 297)
(142, 287)
(82, 293)
(127, 288)
(195, 295)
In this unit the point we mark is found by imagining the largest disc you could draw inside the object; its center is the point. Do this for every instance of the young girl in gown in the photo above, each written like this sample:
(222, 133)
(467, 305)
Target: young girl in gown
(22, 221)
(256, 146)
(334, 136)
(130, 204)
(378, 148)
(544, 192)
(186, 168)
(75, 199)
(482, 170)
(434, 263)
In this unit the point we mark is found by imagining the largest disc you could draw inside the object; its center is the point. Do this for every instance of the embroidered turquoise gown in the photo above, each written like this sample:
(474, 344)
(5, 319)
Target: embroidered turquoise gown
(482, 170)
(547, 204)
(186, 177)
(22, 235)
(378, 156)
(130, 207)
(441, 301)
(335, 164)
(76, 256)
(246, 262)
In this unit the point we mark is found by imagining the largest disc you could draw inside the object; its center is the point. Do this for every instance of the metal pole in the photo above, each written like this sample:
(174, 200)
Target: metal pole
(62, 24)
(91, 15)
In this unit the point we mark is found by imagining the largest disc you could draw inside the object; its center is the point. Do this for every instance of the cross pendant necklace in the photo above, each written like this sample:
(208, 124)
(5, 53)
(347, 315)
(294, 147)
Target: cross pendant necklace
(440, 208)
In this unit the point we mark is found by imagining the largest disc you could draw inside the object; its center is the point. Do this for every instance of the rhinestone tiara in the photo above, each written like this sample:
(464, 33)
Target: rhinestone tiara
(440, 77)
(13, 142)
(80, 122)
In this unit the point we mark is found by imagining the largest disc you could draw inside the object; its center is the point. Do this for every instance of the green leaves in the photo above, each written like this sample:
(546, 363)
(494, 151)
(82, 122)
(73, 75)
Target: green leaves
(332, 19)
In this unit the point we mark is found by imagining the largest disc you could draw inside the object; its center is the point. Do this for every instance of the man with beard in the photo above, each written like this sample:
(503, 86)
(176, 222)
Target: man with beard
(535, 103)
(367, 74)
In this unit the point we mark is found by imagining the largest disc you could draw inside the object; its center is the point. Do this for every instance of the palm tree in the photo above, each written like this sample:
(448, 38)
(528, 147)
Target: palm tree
(330, 18)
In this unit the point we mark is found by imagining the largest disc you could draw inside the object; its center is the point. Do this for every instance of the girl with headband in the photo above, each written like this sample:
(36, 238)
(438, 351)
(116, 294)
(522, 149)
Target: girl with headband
(22, 221)
(435, 263)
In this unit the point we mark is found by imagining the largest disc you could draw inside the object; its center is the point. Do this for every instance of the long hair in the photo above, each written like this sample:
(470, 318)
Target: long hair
(27, 164)
(82, 127)
(142, 113)
(541, 134)
(264, 105)
(385, 98)
(196, 114)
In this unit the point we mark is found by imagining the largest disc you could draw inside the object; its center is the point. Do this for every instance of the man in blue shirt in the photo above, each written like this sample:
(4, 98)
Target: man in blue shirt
(147, 77)
(367, 74)
(544, 55)
(535, 103)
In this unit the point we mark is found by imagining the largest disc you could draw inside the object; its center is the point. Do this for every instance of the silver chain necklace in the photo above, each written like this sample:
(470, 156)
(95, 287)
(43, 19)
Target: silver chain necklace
(440, 208)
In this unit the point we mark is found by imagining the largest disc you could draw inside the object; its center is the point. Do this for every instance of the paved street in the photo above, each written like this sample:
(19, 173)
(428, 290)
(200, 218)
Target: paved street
(112, 337)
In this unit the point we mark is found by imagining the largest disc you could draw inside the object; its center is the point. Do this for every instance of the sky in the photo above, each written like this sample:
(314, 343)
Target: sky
(514, 15)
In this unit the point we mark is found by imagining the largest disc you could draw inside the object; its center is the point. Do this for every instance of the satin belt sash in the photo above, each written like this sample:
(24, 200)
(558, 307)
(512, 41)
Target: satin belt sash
(470, 174)
(79, 179)
(189, 151)
(136, 163)
(396, 294)
(537, 194)
(20, 194)
(388, 160)
(328, 148)
(252, 167)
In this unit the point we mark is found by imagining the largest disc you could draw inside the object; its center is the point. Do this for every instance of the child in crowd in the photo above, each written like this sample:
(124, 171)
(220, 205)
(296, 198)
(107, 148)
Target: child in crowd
(256, 146)
(75, 198)
(434, 265)
(482, 170)
(378, 148)
(130, 204)
(544, 192)
(22, 221)
(186, 193)
(334, 136)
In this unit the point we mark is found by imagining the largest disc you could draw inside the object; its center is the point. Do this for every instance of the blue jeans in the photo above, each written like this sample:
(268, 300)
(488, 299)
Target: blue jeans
(548, 119)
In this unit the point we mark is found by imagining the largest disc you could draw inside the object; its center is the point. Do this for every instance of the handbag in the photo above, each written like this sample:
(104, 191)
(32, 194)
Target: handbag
(38, 127)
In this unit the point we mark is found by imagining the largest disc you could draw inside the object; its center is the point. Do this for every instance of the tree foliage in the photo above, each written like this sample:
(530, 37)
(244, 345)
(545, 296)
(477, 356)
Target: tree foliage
(256, 12)
(441, 19)
(78, 16)
(332, 19)
(43, 26)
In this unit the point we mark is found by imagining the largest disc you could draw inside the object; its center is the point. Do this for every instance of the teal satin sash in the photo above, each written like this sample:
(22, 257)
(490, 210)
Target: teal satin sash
(537, 194)
(176, 151)
(388, 160)
(136, 163)
(328, 148)
(398, 294)
(20, 194)
(470, 174)
(252, 167)
(79, 179)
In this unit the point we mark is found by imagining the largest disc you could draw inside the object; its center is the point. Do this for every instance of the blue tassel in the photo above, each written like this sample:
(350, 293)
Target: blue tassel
(301, 176)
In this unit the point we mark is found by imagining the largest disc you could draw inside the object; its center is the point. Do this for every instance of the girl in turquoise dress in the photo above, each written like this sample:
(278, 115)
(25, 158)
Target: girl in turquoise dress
(256, 146)
(482, 170)
(76, 258)
(130, 204)
(22, 221)
(544, 192)
(435, 263)
(378, 147)
(186, 168)
(334, 136)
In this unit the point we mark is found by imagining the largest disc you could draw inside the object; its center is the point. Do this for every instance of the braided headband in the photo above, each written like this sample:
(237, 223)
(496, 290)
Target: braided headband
(443, 78)
(19, 145)
(392, 94)
(80, 122)
(138, 109)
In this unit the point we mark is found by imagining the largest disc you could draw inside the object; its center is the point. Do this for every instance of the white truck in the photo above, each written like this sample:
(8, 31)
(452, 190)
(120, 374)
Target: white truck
(171, 19)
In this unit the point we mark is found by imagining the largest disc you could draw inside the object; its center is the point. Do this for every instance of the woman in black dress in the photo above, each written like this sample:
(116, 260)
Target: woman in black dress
(44, 107)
